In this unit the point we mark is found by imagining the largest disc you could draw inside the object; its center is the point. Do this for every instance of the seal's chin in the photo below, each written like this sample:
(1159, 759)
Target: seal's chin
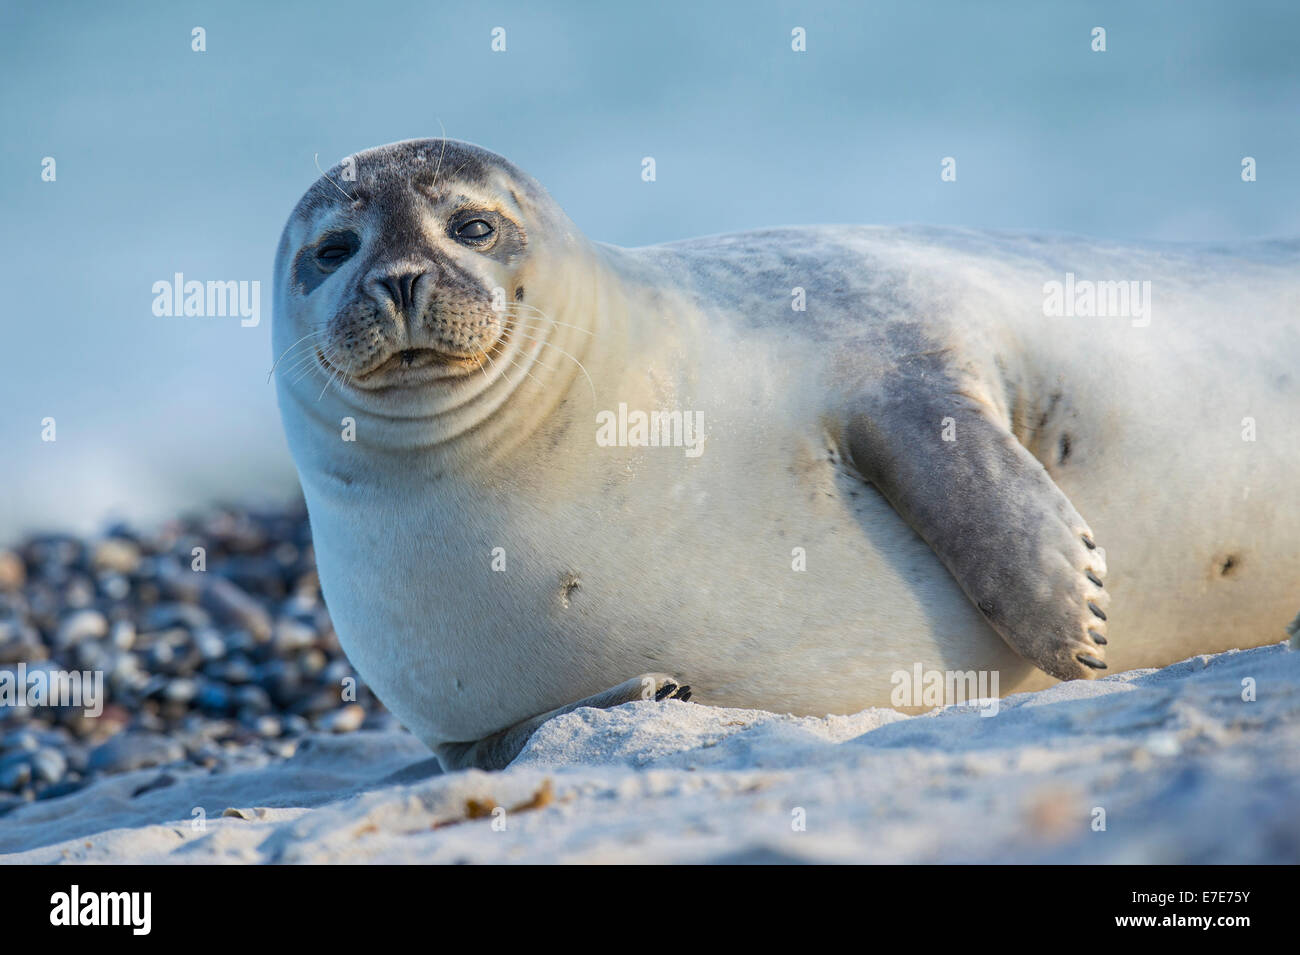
(405, 368)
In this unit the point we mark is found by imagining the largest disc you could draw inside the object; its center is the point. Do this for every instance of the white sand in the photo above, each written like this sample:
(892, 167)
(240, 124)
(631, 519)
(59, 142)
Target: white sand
(1185, 770)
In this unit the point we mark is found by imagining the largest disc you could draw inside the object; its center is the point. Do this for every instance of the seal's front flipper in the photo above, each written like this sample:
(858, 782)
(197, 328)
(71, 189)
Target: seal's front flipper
(992, 513)
(496, 751)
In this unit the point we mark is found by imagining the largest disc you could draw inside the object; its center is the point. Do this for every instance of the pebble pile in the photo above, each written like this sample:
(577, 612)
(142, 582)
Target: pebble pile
(214, 646)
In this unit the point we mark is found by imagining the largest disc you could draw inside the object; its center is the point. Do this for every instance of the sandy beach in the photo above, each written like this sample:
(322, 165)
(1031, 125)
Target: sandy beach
(1175, 763)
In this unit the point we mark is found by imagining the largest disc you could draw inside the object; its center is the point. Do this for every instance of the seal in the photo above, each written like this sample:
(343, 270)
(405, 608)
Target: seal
(774, 469)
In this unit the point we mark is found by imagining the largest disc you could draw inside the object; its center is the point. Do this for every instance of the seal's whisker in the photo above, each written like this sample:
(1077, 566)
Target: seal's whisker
(524, 370)
(541, 314)
(316, 159)
(338, 369)
(488, 356)
(313, 334)
(581, 366)
(312, 362)
(305, 370)
(538, 361)
(318, 331)
(329, 381)
(532, 308)
(538, 328)
(442, 152)
(303, 361)
(300, 361)
(461, 166)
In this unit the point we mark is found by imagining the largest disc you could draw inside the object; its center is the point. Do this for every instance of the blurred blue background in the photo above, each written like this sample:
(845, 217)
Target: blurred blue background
(171, 161)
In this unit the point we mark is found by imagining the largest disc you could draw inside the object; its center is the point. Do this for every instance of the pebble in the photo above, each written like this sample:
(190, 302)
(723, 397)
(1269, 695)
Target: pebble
(161, 655)
(15, 772)
(49, 765)
(123, 634)
(23, 741)
(227, 598)
(172, 615)
(237, 669)
(215, 697)
(20, 642)
(114, 586)
(312, 662)
(253, 697)
(117, 555)
(295, 725)
(13, 572)
(345, 720)
(81, 625)
(133, 750)
(209, 643)
(292, 635)
(93, 656)
(181, 691)
(78, 591)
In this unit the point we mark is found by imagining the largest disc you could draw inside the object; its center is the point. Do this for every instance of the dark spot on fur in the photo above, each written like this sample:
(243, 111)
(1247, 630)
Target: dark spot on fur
(519, 294)
(1065, 448)
(569, 584)
(1052, 402)
(1229, 565)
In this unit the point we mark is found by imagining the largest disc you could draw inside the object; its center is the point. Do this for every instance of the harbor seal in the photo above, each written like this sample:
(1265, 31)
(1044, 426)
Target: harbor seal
(773, 469)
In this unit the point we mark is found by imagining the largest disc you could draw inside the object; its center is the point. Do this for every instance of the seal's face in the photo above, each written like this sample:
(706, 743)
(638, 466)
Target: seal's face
(402, 266)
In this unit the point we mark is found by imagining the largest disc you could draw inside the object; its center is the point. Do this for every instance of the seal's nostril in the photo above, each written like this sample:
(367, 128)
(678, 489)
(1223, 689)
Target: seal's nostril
(401, 288)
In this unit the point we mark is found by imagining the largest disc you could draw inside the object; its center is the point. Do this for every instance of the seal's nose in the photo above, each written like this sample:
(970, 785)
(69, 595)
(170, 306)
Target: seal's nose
(397, 286)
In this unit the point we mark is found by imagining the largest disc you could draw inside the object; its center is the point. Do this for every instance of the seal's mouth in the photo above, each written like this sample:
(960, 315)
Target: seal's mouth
(410, 358)
(405, 368)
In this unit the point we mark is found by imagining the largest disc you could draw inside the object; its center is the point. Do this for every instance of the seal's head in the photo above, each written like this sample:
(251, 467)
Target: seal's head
(407, 265)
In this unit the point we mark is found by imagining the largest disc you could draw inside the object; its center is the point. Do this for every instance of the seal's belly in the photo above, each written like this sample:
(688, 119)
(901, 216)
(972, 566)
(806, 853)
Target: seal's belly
(764, 575)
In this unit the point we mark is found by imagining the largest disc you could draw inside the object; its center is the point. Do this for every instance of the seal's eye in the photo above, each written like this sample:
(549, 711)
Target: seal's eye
(475, 230)
(333, 253)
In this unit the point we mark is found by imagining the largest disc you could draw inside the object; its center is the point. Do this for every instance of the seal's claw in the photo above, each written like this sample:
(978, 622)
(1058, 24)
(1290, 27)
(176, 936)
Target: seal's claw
(1079, 600)
(673, 691)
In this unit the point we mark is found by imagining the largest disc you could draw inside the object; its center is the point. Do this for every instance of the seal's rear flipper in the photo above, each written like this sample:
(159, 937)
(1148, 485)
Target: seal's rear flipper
(992, 513)
(496, 751)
